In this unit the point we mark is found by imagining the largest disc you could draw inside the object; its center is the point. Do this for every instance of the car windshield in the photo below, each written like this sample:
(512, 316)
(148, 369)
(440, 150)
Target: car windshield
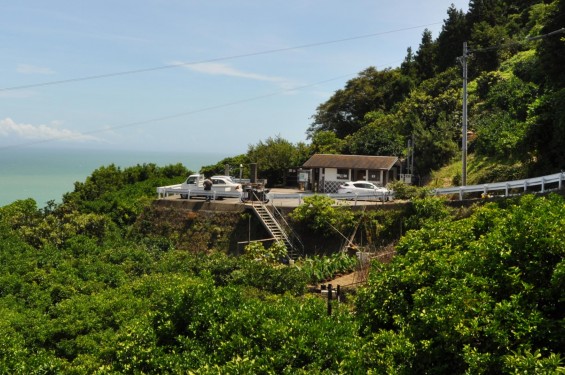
(191, 180)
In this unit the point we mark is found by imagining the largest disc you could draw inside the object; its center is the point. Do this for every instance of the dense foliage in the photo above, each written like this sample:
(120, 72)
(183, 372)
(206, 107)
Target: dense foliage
(106, 283)
(476, 292)
(515, 101)
(478, 295)
(515, 94)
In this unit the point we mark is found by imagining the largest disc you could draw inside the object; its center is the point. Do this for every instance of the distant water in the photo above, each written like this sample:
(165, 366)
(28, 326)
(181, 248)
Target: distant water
(44, 174)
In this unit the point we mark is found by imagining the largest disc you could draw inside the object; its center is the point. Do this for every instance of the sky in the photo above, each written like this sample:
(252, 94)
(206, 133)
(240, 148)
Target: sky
(189, 75)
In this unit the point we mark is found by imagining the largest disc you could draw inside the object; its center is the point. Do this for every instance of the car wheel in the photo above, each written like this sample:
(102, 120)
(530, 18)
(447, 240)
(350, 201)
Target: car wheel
(183, 196)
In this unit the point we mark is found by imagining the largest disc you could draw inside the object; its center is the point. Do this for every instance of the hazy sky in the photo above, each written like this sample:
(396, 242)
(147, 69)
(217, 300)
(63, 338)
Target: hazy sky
(203, 75)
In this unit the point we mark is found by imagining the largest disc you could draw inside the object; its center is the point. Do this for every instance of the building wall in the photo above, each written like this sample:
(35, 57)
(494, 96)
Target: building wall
(328, 181)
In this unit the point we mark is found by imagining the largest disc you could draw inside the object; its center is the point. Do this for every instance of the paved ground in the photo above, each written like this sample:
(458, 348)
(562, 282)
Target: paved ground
(279, 202)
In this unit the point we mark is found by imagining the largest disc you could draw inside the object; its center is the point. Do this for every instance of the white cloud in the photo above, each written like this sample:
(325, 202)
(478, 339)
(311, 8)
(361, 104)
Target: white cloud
(54, 131)
(33, 69)
(226, 70)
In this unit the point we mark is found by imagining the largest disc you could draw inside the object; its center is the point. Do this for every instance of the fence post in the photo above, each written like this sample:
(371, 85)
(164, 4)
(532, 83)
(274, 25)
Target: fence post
(329, 299)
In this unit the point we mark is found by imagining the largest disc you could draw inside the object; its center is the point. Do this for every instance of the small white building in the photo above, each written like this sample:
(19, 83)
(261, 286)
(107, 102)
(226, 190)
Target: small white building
(328, 171)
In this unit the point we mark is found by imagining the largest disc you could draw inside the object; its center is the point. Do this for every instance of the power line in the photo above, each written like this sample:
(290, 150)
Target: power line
(177, 115)
(463, 60)
(233, 57)
(517, 43)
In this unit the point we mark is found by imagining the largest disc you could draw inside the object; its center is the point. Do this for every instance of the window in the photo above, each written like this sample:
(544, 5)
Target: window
(374, 175)
(343, 174)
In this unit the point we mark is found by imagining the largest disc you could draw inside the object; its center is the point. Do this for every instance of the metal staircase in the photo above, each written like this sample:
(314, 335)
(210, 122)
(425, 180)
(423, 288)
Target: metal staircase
(275, 228)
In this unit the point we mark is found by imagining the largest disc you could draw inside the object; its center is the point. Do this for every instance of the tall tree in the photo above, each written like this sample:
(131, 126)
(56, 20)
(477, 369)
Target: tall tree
(552, 49)
(380, 137)
(450, 40)
(426, 56)
(485, 42)
(408, 66)
(490, 11)
(372, 90)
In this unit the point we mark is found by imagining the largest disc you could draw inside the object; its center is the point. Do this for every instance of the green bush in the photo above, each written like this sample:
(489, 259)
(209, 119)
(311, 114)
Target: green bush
(323, 268)
(319, 213)
(478, 295)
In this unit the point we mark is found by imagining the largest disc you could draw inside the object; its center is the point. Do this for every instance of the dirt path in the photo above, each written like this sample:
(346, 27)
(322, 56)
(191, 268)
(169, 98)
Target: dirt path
(353, 279)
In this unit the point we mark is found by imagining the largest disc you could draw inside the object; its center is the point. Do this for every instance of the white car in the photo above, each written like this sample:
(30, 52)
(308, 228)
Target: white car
(365, 188)
(224, 183)
(195, 183)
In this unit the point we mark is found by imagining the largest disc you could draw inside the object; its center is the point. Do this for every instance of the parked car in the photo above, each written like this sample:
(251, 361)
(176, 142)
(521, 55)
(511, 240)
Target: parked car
(195, 183)
(224, 183)
(365, 188)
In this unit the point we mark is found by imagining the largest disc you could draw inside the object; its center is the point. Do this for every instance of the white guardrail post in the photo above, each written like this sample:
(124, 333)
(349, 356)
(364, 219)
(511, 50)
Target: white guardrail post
(506, 186)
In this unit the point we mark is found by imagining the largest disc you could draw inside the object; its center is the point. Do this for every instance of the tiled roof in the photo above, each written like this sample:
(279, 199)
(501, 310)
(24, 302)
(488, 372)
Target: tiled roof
(351, 161)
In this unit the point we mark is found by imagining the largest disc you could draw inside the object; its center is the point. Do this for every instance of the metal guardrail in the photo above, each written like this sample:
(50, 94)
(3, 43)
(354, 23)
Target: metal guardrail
(380, 197)
(165, 191)
(544, 183)
(507, 186)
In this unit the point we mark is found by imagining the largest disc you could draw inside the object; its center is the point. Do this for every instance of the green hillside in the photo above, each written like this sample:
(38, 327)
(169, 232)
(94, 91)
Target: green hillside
(101, 284)
(516, 100)
(106, 283)
(515, 95)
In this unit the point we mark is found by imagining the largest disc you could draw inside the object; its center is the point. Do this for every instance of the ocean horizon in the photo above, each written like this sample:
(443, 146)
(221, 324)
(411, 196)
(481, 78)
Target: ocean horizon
(47, 174)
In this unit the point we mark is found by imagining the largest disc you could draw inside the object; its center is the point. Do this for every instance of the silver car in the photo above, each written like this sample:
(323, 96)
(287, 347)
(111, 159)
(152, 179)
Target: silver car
(366, 189)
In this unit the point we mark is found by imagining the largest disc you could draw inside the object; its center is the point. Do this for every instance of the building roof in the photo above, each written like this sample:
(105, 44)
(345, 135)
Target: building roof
(351, 161)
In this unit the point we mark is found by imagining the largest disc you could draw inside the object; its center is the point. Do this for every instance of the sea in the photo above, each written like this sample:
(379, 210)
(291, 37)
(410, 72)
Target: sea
(47, 174)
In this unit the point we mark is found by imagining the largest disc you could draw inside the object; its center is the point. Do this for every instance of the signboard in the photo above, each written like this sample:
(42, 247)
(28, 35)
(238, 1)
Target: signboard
(303, 176)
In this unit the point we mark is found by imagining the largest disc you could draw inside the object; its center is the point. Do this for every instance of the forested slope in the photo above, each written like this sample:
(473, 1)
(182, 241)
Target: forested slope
(84, 290)
(93, 285)
(515, 98)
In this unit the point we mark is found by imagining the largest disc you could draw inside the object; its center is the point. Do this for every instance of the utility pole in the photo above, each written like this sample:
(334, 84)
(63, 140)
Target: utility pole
(463, 61)
(412, 155)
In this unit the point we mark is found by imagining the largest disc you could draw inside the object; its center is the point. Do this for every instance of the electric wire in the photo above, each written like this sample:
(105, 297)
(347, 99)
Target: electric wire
(173, 116)
(225, 58)
(517, 43)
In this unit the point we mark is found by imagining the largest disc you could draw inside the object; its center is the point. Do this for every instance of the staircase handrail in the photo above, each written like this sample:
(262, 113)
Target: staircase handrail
(287, 225)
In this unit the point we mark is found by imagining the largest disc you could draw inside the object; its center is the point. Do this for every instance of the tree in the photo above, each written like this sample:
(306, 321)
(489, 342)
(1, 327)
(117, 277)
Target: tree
(546, 132)
(372, 90)
(274, 157)
(484, 41)
(233, 162)
(380, 137)
(432, 114)
(326, 142)
(434, 146)
(408, 66)
(320, 215)
(450, 40)
(552, 49)
(479, 295)
(490, 11)
(426, 56)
